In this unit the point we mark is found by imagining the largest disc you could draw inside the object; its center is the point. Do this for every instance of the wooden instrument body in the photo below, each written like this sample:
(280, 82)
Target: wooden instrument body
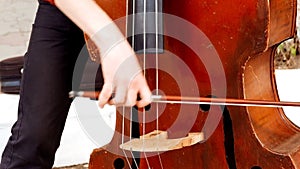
(245, 34)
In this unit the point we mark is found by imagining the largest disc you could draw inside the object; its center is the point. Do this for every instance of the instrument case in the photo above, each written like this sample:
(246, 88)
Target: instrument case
(11, 75)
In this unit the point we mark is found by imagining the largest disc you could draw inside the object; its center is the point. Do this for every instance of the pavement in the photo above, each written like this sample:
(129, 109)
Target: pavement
(15, 19)
(15, 26)
(76, 145)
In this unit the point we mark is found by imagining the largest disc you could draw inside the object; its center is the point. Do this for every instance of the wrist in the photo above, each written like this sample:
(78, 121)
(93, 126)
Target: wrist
(104, 40)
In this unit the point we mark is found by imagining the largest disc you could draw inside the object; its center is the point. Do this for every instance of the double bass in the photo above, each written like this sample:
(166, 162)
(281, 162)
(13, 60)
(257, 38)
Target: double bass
(209, 49)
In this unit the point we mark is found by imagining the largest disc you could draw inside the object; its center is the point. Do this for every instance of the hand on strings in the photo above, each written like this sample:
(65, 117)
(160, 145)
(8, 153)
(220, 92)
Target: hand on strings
(121, 70)
(123, 77)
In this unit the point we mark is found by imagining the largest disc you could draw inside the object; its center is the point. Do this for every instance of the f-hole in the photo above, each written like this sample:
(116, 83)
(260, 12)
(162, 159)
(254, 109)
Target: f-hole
(206, 107)
(228, 134)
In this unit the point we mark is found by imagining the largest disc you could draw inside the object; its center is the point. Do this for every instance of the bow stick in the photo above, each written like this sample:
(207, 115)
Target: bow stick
(198, 100)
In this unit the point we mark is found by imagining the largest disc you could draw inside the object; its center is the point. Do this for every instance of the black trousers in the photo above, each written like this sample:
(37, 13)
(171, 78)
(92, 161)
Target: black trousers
(54, 46)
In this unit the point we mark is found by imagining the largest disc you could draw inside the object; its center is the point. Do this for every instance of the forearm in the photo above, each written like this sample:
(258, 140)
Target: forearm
(86, 14)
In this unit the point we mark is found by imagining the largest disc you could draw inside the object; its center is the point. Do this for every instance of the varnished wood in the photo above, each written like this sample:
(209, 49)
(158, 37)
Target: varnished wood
(245, 35)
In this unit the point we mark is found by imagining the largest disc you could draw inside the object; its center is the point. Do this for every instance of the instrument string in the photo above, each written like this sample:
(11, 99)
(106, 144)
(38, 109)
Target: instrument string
(127, 160)
(135, 162)
(144, 68)
(133, 46)
(123, 107)
(126, 35)
(156, 74)
(123, 123)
